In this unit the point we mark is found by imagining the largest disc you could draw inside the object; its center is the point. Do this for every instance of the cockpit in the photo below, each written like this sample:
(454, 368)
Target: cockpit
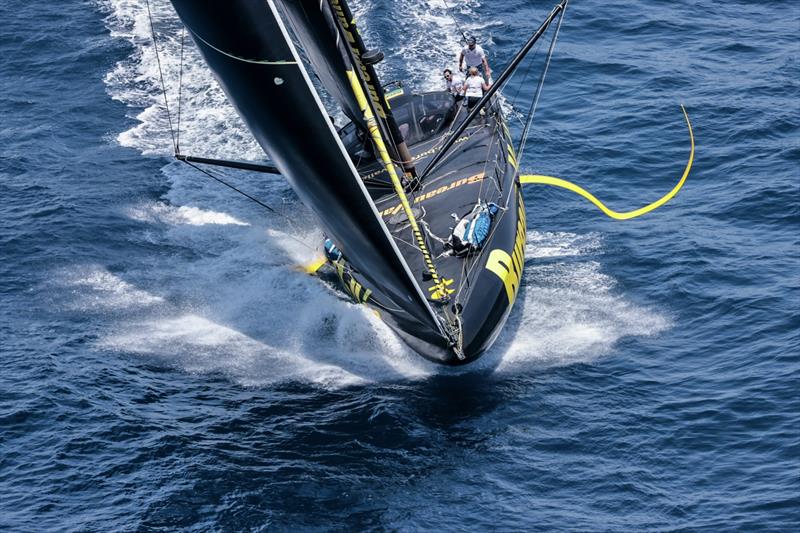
(422, 116)
(419, 117)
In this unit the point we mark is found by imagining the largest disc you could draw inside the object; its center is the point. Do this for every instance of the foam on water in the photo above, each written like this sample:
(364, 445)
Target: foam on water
(560, 244)
(264, 324)
(570, 313)
(238, 306)
(193, 216)
(102, 290)
(197, 344)
(164, 367)
(431, 36)
(208, 123)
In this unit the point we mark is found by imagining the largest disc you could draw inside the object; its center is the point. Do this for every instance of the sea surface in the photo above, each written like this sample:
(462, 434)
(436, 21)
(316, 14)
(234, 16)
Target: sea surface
(164, 367)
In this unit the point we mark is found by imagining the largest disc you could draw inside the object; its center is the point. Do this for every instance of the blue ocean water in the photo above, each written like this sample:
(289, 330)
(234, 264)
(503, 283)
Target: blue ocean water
(164, 367)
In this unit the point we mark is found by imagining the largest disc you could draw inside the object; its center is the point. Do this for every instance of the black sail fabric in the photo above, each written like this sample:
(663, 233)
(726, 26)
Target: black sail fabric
(327, 33)
(313, 23)
(246, 45)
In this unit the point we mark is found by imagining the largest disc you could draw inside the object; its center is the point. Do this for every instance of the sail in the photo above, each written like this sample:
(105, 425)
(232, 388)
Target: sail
(328, 34)
(313, 24)
(246, 45)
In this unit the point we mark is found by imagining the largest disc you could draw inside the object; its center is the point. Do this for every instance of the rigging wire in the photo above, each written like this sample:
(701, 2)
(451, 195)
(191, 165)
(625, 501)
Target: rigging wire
(180, 93)
(161, 76)
(257, 201)
(467, 270)
(176, 136)
(525, 76)
(539, 86)
(225, 183)
(516, 115)
(450, 14)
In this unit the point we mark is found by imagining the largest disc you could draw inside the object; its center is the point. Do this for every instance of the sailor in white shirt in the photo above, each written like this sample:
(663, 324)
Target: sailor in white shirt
(474, 87)
(454, 84)
(474, 56)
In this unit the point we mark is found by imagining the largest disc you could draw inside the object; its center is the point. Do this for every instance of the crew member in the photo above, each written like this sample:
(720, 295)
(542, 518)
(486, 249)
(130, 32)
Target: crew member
(474, 87)
(454, 84)
(474, 56)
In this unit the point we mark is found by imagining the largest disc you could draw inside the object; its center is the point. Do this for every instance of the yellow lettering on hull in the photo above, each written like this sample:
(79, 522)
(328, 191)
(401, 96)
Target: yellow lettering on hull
(436, 192)
(508, 267)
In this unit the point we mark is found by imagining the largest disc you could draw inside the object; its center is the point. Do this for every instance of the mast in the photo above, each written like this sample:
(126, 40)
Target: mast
(247, 47)
(365, 60)
(334, 55)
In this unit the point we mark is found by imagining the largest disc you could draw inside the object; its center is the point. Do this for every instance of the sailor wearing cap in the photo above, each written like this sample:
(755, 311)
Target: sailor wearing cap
(474, 56)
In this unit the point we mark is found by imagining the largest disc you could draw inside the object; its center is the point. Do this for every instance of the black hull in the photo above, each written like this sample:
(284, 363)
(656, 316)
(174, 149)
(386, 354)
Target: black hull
(481, 168)
(448, 307)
